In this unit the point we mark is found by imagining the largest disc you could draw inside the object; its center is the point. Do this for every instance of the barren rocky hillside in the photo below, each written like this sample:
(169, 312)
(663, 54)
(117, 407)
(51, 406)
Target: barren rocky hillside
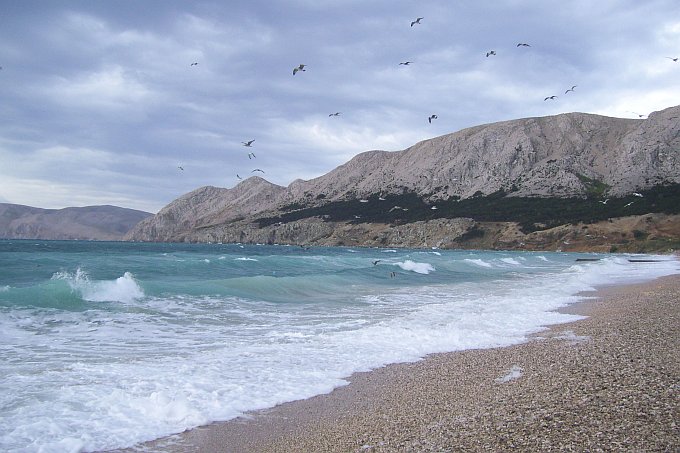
(86, 223)
(567, 157)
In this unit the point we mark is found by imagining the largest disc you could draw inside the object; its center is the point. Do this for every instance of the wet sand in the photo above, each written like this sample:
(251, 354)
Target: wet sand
(610, 382)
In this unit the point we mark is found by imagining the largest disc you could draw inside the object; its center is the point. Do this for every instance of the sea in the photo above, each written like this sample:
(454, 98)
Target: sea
(105, 345)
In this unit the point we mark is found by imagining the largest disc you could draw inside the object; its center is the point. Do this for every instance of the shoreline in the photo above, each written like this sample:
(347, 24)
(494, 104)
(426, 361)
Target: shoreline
(609, 381)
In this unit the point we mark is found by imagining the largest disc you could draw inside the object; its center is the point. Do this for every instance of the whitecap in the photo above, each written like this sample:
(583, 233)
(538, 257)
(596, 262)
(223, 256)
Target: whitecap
(478, 262)
(244, 258)
(420, 268)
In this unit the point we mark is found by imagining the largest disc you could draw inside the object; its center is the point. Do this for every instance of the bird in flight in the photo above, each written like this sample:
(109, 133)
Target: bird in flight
(491, 52)
(194, 64)
(431, 117)
(523, 44)
(251, 155)
(551, 98)
(299, 68)
(640, 115)
(635, 194)
(570, 89)
(335, 114)
(417, 21)
(257, 169)
(626, 205)
(605, 201)
(674, 58)
(375, 263)
(405, 63)
(248, 144)
(239, 177)
(180, 168)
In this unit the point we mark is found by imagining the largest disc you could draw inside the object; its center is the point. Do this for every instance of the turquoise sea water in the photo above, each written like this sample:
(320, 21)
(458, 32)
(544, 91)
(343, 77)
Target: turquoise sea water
(104, 345)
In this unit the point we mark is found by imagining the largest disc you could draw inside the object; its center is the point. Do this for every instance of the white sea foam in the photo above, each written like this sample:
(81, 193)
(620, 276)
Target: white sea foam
(122, 289)
(420, 268)
(478, 262)
(4, 288)
(244, 258)
(511, 261)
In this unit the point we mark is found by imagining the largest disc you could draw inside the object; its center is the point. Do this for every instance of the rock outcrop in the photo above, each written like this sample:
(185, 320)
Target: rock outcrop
(99, 223)
(568, 155)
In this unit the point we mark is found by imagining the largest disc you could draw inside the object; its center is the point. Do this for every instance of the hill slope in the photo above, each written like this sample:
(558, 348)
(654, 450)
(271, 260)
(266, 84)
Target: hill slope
(470, 173)
(87, 223)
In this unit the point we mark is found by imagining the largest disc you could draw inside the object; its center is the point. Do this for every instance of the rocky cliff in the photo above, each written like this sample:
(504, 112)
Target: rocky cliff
(571, 157)
(103, 223)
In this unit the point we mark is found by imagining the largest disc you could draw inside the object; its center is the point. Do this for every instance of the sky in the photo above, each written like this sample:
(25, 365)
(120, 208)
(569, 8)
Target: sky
(101, 102)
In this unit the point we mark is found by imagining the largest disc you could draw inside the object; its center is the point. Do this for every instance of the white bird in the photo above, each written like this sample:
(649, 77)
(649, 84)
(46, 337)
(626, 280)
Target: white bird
(433, 208)
(363, 201)
(417, 21)
(299, 68)
(625, 206)
(635, 194)
(605, 201)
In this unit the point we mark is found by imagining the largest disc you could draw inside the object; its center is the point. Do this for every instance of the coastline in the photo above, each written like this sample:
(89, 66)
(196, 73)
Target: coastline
(609, 381)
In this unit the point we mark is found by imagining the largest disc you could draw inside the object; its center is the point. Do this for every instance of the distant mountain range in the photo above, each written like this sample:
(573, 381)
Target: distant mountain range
(101, 223)
(535, 172)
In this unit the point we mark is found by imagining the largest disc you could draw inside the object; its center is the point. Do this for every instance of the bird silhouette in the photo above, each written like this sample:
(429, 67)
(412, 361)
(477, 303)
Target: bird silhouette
(194, 64)
(248, 144)
(239, 177)
(299, 68)
(523, 44)
(251, 155)
(431, 117)
(491, 52)
(640, 115)
(180, 168)
(417, 21)
(375, 263)
(670, 58)
(335, 114)
(635, 194)
(405, 63)
(550, 97)
(570, 89)
(257, 169)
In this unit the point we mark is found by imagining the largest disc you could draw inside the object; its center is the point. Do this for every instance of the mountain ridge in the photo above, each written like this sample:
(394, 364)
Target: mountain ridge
(571, 155)
(103, 222)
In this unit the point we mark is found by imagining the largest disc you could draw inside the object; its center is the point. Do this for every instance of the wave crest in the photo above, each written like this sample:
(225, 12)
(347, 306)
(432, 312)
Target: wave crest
(123, 289)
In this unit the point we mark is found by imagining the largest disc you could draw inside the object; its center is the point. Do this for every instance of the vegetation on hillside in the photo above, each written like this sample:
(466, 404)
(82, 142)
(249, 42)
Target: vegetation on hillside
(532, 213)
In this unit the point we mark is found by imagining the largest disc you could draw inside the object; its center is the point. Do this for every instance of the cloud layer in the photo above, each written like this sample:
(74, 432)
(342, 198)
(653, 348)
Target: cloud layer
(102, 102)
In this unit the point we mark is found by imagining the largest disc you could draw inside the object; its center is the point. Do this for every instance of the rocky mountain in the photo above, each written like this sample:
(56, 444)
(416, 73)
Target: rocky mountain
(102, 223)
(466, 174)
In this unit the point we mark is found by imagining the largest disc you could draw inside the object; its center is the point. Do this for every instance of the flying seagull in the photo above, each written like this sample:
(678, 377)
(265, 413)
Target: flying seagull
(491, 52)
(551, 98)
(335, 114)
(239, 177)
(431, 117)
(180, 168)
(194, 64)
(626, 205)
(405, 63)
(635, 194)
(299, 68)
(670, 58)
(570, 89)
(248, 144)
(257, 169)
(417, 21)
(375, 263)
(251, 155)
(523, 44)
(605, 201)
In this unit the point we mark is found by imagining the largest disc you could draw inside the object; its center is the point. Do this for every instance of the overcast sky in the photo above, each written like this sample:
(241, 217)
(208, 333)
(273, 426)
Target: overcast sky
(100, 102)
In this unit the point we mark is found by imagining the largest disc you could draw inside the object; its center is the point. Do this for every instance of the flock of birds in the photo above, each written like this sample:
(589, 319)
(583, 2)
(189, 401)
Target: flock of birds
(417, 21)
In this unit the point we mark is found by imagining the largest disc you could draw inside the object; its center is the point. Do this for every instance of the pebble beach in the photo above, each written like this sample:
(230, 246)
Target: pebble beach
(609, 382)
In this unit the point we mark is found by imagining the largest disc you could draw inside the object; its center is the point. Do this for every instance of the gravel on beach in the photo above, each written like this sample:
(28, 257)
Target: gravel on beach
(610, 382)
